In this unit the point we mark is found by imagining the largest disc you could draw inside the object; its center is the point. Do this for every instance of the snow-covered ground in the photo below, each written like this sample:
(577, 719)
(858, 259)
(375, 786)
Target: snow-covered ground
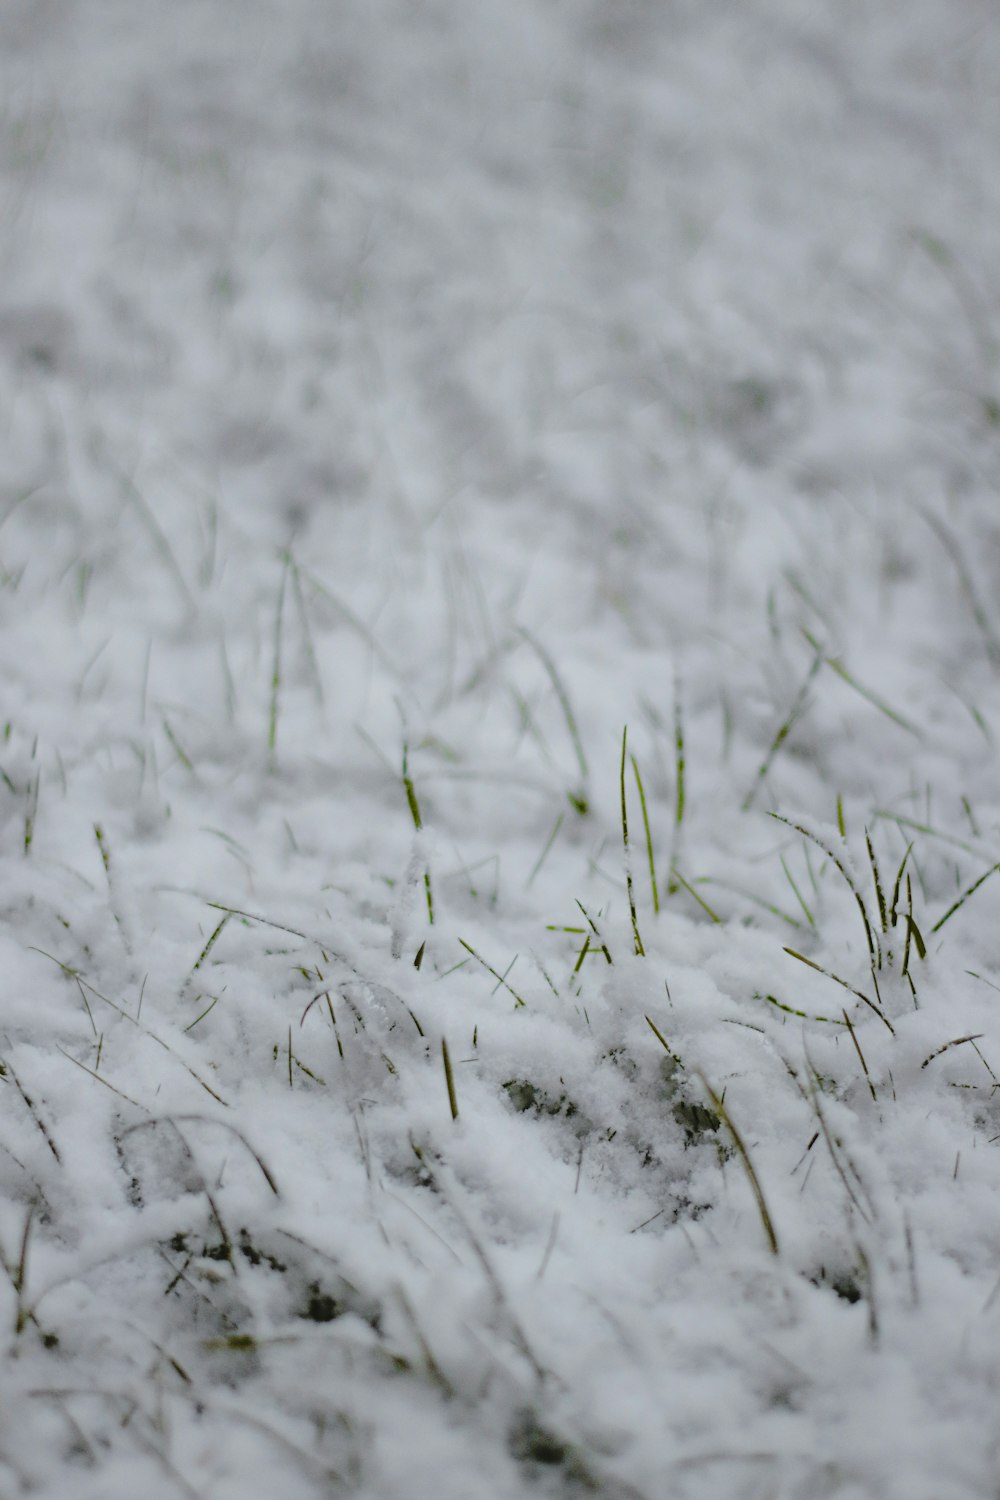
(398, 400)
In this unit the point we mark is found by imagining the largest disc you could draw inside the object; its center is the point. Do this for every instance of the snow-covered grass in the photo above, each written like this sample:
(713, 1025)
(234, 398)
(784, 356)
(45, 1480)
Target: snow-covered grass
(499, 812)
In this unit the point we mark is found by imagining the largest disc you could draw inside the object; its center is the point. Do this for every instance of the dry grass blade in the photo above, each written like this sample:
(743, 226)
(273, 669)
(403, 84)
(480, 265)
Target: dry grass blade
(20, 1276)
(798, 708)
(31, 812)
(991, 643)
(834, 1148)
(7, 1068)
(219, 929)
(431, 1165)
(959, 1041)
(861, 1056)
(748, 1166)
(198, 1119)
(272, 718)
(546, 851)
(579, 800)
(449, 1078)
(490, 970)
(659, 1036)
(95, 1075)
(309, 648)
(110, 876)
(640, 950)
(145, 513)
(120, 1010)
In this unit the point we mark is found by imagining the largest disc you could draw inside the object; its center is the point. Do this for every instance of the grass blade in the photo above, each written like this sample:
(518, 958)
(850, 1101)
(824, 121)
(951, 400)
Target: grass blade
(861, 1056)
(894, 906)
(791, 1010)
(640, 950)
(692, 892)
(874, 950)
(309, 649)
(579, 800)
(649, 837)
(449, 1079)
(680, 763)
(958, 1041)
(964, 897)
(414, 806)
(545, 852)
(272, 717)
(844, 985)
(490, 970)
(748, 1166)
(882, 910)
(596, 931)
(798, 708)
(798, 894)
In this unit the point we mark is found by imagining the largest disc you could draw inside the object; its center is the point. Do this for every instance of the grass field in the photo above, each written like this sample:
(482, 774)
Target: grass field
(499, 799)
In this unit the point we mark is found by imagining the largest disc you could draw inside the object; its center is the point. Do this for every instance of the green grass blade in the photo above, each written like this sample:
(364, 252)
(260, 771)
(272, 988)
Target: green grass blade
(827, 974)
(879, 896)
(970, 890)
(680, 763)
(692, 892)
(649, 837)
(414, 806)
(869, 695)
(894, 905)
(874, 950)
(798, 894)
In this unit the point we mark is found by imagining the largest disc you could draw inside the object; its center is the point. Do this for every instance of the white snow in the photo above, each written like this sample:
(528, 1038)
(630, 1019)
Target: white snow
(463, 383)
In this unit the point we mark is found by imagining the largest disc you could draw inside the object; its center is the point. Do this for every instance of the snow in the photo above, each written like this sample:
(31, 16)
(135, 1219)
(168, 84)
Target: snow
(454, 386)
